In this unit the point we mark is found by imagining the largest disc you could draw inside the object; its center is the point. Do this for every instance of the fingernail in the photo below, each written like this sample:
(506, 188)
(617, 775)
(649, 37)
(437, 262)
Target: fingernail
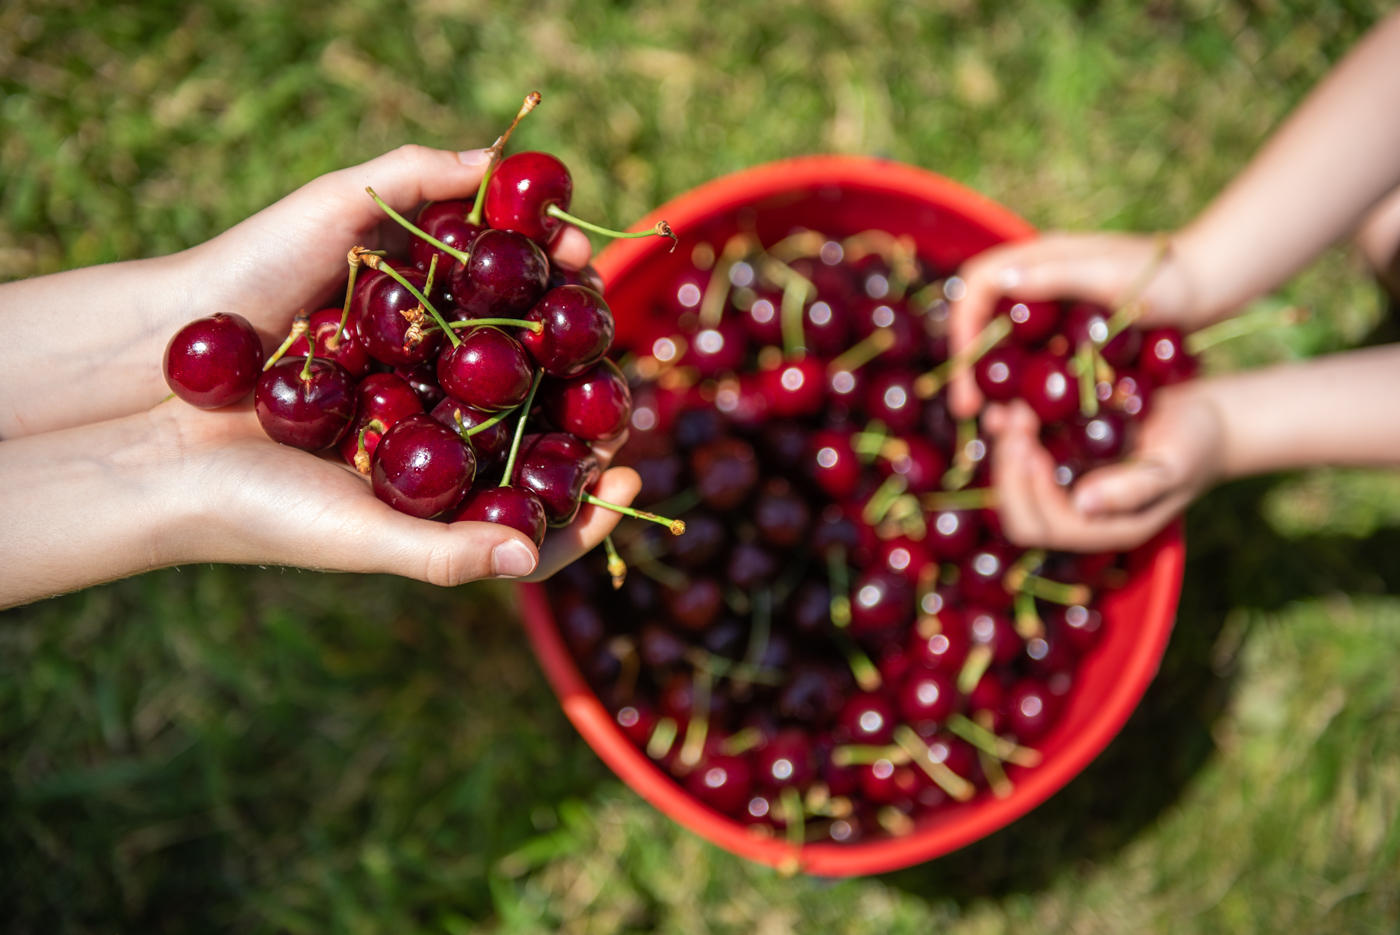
(1087, 501)
(511, 559)
(1009, 278)
(474, 157)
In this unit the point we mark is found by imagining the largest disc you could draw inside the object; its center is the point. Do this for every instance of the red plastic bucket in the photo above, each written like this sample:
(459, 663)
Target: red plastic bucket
(841, 196)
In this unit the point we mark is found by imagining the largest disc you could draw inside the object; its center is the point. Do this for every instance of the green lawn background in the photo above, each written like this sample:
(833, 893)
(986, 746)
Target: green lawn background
(269, 750)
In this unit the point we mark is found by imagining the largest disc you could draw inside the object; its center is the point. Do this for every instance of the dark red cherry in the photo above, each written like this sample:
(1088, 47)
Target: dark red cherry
(489, 444)
(884, 783)
(810, 606)
(994, 630)
(989, 695)
(380, 397)
(504, 277)
(889, 397)
(637, 721)
(310, 414)
(1050, 653)
(214, 361)
(952, 534)
(713, 351)
(421, 467)
(522, 188)
(379, 306)
(927, 698)
(1032, 709)
(515, 507)
(982, 574)
(814, 693)
(881, 601)
(781, 514)
(1082, 626)
(832, 463)
(595, 405)
(1100, 438)
(1164, 357)
(866, 719)
(796, 387)
(580, 622)
(1131, 394)
(826, 328)
(1087, 321)
(789, 759)
(1069, 462)
(841, 780)
(956, 754)
(725, 471)
(905, 557)
(423, 378)
(348, 351)
(578, 330)
(842, 525)
(721, 782)
(908, 342)
(587, 277)
(920, 464)
(696, 427)
(749, 566)
(1000, 372)
(1031, 322)
(763, 319)
(1049, 387)
(660, 647)
(447, 221)
(695, 604)
(944, 651)
(782, 443)
(488, 369)
(558, 467)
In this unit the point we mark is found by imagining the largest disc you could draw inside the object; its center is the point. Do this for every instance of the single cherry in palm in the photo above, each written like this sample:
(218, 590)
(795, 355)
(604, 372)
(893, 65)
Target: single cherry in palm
(516, 507)
(595, 405)
(421, 467)
(305, 404)
(214, 361)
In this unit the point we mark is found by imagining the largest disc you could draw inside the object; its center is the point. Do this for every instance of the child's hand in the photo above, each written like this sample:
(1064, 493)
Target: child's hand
(1177, 455)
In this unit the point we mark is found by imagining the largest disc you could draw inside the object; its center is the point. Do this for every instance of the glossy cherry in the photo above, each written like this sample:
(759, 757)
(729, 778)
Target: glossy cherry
(505, 275)
(889, 397)
(927, 698)
(789, 759)
(721, 782)
(383, 398)
(595, 405)
(994, 630)
(952, 534)
(379, 305)
(490, 444)
(781, 514)
(488, 370)
(309, 413)
(520, 191)
(763, 319)
(447, 221)
(866, 718)
(1031, 322)
(423, 378)
(562, 276)
(214, 361)
(881, 601)
(1081, 626)
(1164, 357)
(558, 467)
(944, 651)
(1100, 438)
(421, 467)
(795, 387)
(1049, 387)
(982, 574)
(349, 352)
(713, 351)
(516, 507)
(832, 463)
(905, 557)
(1031, 709)
(918, 461)
(578, 330)
(814, 693)
(1000, 372)
(872, 315)
(1086, 321)
(695, 604)
(826, 328)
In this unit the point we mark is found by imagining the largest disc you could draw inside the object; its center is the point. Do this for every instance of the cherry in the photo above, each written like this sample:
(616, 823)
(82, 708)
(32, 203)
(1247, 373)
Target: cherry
(516, 507)
(832, 463)
(659, 647)
(713, 351)
(884, 783)
(944, 651)
(920, 464)
(881, 600)
(1050, 653)
(704, 539)
(781, 514)
(814, 693)
(595, 405)
(789, 759)
(348, 351)
(1049, 387)
(580, 623)
(905, 557)
(1082, 626)
(1069, 464)
(1089, 322)
(1100, 438)
(725, 471)
(989, 695)
(795, 388)
(421, 467)
(587, 277)
(1164, 357)
(926, 699)
(725, 638)
(490, 444)
(841, 780)
(383, 398)
(871, 315)
(1000, 372)
(447, 221)
(520, 191)
(750, 565)
(578, 329)
(842, 525)
(307, 407)
(696, 427)
(952, 534)
(637, 721)
(1031, 322)
(214, 361)
(721, 782)
(825, 329)
(866, 718)
(982, 574)
(505, 275)
(422, 377)
(1032, 709)
(379, 304)
(1130, 394)
(558, 467)
(783, 443)
(810, 607)
(763, 319)
(488, 369)
(890, 398)
(955, 753)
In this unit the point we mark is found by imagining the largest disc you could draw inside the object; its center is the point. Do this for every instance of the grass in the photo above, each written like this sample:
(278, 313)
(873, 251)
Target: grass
(262, 750)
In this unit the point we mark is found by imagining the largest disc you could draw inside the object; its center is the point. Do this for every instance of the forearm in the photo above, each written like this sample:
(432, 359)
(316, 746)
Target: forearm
(1333, 410)
(1334, 159)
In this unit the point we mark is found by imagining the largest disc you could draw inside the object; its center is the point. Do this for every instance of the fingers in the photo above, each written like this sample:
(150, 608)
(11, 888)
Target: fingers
(405, 178)
(1126, 487)
(562, 546)
(446, 555)
(571, 249)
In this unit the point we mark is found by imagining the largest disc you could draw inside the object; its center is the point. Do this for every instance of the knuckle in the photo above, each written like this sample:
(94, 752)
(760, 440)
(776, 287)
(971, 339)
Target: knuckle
(447, 565)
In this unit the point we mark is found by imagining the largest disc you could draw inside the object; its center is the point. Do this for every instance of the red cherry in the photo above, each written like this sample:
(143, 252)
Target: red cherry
(696, 604)
(578, 330)
(1089, 322)
(447, 221)
(721, 782)
(522, 188)
(750, 566)
(596, 405)
(1164, 357)
(946, 650)
(423, 378)
(637, 721)
(489, 444)
(989, 695)
(744, 401)
(1000, 372)
(380, 397)
(1082, 626)
(488, 369)
(588, 277)
(1099, 439)
(952, 534)
(826, 328)
(789, 759)
(1032, 709)
(725, 471)
(379, 304)
(994, 630)
(795, 388)
(505, 275)
(214, 361)
(781, 514)
(880, 601)
(717, 350)
(927, 698)
(921, 465)
(421, 467)
(1049, 387)
(1131, 394)
(908, 341)
(814, 693)
(884, 783)
(889, 397)
(982, 574)
(867, 719)
(558, 467)
(515, 507)
(763, 319)
(1031, 322)
(956, 754)
(904, 557)
(310, 414)
(832, 463)
(348, 351)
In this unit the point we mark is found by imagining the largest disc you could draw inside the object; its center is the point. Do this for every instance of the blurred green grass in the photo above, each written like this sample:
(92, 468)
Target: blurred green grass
(279, 751)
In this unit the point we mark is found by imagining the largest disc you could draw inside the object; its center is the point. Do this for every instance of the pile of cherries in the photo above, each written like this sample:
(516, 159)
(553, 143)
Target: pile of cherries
(843, 644)
(467, 380)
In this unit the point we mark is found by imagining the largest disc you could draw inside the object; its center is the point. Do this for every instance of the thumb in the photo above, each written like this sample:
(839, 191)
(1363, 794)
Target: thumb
(405, 178)
(1127, 487)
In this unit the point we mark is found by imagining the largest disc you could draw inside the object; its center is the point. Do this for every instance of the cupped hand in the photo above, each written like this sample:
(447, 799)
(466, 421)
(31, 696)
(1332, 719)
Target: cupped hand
(1176, 456)
(247, 499)
(1104, 268)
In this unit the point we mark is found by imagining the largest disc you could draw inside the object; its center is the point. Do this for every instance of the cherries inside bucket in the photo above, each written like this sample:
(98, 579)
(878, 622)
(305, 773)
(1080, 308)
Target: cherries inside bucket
(842, 667)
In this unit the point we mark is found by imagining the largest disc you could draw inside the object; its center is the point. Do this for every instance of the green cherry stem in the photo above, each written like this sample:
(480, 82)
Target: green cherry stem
(353, 258)
(416, 231)
(487, 424)
(520, 430)
(676, 526)
(299, 325)
(310, 355)
(534, 326)
(384, 267)
(928, 384)
(662, 229)
(617, 568)
(532, 101)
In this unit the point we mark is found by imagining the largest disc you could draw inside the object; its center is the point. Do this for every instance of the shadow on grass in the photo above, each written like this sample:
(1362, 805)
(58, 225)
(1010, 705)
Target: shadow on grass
(1234, 560)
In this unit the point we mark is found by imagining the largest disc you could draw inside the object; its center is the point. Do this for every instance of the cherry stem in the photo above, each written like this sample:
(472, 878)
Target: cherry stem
(432, 272)
(960, 474)
(625, 652)
(494, 152)
(361, 455)
(534, 326)
(1129, 308)
(353, 259)
(1085, 363)
(676, 526)
(979, 659)
(663, 737)
(1057, 592)
(1029, 562)
(863, 754)
(975, 498)
(310, 355)
(928, 384)
(475, 429)
(506, 479)
(837, 573)
(699, 726)
(394, 274)
(863, 352)
(1028, 622)
(417, 231)
(741, 742)
(1250, 323)
(617, 568)
(717, 290)
(918, 751)
(720, 667)
(990, 743)
(299, 325)
(791, 801)
(883, 498)
(662, 229)
(866, 674)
